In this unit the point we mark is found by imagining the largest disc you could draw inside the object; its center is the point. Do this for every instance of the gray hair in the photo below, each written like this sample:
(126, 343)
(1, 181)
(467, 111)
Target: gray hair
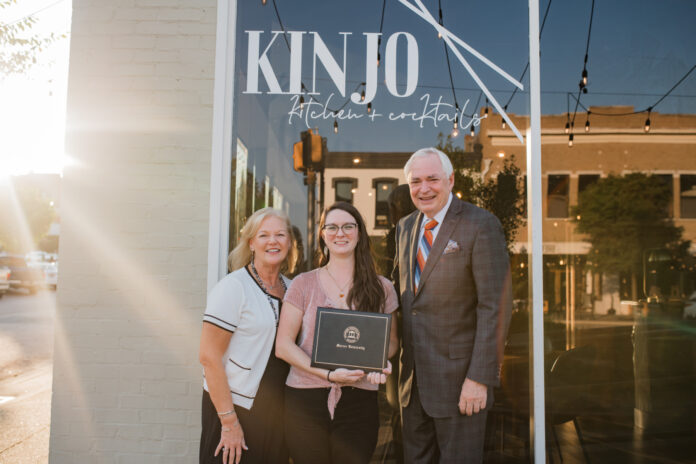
(424, 153)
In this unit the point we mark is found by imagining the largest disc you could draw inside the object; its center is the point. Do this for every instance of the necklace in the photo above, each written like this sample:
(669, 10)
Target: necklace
(341, 289)
(263, 287)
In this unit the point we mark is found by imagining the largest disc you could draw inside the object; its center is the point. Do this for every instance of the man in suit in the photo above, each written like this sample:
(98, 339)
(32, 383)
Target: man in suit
(453, 269)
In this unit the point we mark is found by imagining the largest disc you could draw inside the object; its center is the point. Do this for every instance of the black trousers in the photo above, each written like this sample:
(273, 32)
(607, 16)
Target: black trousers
(313, 438)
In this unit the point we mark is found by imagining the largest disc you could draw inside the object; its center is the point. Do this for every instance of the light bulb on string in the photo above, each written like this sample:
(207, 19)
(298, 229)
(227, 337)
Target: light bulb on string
(362, 95)
(379, 58)
(503, 125)
(567, 127)
(584, 77)
(587, 122)
(456, 122)
(335, 126)
(647, 125)
(301, 101)
(369, 107)
(455, 133)
(473, 132)
(570, 140)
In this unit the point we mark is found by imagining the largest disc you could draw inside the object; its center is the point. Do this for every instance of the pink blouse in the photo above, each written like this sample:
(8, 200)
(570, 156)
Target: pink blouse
(306, 293)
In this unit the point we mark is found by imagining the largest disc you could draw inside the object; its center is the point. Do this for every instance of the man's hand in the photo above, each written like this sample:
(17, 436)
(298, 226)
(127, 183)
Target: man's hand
(473, 397)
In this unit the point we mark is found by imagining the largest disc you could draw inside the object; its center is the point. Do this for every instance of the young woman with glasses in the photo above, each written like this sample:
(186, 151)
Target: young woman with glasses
(331, 416)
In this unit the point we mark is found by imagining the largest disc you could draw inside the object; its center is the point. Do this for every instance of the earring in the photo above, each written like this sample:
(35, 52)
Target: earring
(326, 251)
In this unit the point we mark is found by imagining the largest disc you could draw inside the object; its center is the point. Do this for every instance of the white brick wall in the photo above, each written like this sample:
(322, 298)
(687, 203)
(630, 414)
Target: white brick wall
(133, 245)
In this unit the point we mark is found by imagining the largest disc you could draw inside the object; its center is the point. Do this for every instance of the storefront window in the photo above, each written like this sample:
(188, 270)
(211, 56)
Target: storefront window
(688, 195)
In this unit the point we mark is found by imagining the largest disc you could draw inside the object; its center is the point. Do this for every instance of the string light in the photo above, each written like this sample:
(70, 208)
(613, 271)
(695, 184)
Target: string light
(570, 140)
(647, 121)
(456, 121)
(335, 126)
(263, 2)
(567, 127)
(584, 77)
(503, 125)
(439, 5)
(473, 132)
(485, 111)
(455, 133)
(301, 101)
(362, 95)
(587, 122)
(369, 107)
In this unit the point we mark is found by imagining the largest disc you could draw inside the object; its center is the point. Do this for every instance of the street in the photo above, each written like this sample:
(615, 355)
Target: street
(26, 360)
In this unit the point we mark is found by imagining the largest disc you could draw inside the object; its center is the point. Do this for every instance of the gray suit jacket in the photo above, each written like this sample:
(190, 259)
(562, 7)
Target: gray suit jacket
(455, 325)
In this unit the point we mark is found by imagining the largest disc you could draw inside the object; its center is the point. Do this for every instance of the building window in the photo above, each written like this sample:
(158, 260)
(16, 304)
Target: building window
(383, 187)
(557, 195)
(687, 187)
(345, 187)
(666, 179)
(585, 180)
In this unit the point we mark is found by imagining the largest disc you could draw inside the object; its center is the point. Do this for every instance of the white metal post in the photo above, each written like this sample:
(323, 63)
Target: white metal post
(534, 219)
(221, 159)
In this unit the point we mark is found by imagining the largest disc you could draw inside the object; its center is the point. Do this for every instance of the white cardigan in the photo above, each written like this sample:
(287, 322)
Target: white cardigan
(238, 304)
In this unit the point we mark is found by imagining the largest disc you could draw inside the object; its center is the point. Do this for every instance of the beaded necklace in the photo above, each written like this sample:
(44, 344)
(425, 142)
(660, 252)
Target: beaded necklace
(268, 295)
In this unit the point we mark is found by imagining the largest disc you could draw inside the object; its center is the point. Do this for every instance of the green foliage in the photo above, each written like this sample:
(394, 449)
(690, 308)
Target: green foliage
(19, 46)
(623, 217)
(25, 217)
(501, 196)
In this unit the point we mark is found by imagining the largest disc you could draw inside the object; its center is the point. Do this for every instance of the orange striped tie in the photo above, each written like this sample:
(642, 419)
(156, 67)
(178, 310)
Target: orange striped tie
(424, 247)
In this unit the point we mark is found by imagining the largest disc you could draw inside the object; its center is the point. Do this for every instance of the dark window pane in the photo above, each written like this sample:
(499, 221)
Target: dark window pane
(382, 190)
(557, 196)
(585, 180)
(688, 195)
(344, 191)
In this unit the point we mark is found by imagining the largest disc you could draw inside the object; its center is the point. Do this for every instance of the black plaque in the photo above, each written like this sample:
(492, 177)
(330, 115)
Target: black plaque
(351, 340)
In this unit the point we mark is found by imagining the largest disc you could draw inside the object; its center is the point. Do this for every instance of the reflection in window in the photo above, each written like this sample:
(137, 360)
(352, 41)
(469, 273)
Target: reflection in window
(666, 179)
(345, 188)
(383, 187)
(557, 195)
(687, 187)
(585, 180)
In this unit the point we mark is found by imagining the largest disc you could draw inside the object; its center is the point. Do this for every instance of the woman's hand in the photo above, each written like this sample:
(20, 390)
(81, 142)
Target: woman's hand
(380, 377)
(231, 442)
(345, 376)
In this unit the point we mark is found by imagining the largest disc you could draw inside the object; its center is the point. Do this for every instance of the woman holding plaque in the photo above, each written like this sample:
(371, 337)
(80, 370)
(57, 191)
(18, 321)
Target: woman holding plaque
(243, 380)
(331, 416)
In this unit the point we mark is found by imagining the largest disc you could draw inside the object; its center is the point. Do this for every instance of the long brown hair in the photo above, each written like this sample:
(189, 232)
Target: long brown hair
(367, 292)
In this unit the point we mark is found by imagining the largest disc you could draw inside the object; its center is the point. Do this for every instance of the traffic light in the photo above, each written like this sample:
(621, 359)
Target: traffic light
(309, 153)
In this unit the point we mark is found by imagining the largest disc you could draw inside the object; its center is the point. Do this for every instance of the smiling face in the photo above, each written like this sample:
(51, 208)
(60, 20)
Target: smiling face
(340, 241)
(271, 242)
(429, 186)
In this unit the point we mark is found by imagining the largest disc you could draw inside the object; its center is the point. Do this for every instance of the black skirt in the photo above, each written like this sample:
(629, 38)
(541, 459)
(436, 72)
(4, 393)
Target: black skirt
(262, 425)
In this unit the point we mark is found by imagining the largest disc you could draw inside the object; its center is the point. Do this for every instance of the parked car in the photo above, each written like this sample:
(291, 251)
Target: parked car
(21, 275)
(4, 280)
(49, 270)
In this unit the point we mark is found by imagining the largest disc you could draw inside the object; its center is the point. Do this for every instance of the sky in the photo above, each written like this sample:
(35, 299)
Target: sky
(32, 114)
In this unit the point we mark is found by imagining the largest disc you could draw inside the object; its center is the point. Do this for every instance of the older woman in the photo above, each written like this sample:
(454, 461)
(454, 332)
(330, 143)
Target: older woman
(243, 379)
(331, 416)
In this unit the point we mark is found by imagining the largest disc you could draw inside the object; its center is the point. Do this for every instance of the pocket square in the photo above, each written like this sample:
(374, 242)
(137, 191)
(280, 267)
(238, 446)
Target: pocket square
(451, 247)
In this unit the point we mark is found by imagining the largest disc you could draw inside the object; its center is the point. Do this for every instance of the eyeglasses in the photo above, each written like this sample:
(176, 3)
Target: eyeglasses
(347, 228)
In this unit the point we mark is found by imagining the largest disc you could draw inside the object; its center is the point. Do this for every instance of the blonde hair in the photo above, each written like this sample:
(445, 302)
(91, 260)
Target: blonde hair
(241, 255)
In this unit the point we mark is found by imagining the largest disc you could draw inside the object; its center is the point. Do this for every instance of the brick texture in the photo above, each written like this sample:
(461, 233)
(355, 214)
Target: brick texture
(126, 383)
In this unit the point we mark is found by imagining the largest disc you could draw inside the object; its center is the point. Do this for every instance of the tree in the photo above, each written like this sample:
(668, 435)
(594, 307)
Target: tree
(19, 46)
(501, 195)
(25, 217)
(623, 217)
